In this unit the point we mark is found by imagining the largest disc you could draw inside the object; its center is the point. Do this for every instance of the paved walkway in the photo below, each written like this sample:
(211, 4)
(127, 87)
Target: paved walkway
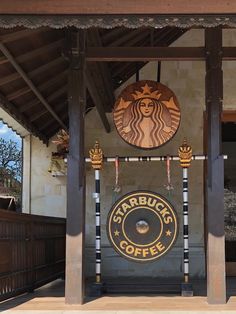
(50, 299)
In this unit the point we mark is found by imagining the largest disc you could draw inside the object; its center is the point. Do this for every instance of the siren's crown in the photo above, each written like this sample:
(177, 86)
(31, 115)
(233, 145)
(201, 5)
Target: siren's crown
(146, 93)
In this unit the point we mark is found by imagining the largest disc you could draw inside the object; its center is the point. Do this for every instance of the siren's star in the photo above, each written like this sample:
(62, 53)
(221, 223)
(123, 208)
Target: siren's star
(146, 89)
(123, 104)
(168, 233)
(117, 233)
(146, 93)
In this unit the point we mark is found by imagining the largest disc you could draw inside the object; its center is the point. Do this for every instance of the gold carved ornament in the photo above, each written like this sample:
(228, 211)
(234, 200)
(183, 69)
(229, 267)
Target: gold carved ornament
(185, 154)
(58, 166)
(96, 156)
(62, 142)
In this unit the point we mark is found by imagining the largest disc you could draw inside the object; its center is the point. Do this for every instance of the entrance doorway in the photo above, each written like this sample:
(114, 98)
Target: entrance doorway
(229, 148)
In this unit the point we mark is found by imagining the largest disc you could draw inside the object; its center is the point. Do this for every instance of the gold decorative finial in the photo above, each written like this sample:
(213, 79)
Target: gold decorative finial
(185, 154)
(96, 156)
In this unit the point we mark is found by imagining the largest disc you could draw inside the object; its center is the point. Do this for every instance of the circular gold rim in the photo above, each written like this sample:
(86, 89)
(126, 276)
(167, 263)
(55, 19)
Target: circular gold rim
(128, 195)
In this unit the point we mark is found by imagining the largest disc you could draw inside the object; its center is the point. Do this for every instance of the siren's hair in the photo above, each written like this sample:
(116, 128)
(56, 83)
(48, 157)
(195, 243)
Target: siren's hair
(136, 135)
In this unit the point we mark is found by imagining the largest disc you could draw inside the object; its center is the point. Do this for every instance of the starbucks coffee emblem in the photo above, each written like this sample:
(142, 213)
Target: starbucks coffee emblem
(147, 114)
(142, 226)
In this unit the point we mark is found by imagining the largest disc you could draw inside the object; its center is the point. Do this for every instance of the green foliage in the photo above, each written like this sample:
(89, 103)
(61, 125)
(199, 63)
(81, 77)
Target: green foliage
(10, 170)
(10, 159)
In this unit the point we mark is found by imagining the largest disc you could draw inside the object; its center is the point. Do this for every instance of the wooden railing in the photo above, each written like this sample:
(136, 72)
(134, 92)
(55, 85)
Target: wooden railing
(32, 252)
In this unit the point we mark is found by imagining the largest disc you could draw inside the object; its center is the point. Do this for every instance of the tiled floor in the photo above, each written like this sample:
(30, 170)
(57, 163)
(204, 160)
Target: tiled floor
(50, 299)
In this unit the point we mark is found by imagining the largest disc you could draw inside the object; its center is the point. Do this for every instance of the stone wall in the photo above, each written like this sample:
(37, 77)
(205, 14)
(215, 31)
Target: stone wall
(48, 194)
(43, 194)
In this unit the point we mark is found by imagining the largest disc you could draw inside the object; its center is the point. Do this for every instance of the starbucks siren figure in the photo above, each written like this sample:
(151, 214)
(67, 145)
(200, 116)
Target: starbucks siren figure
(147, 121)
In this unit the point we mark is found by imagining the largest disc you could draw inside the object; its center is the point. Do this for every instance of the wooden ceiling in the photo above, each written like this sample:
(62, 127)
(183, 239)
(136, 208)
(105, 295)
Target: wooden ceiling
(33, 80)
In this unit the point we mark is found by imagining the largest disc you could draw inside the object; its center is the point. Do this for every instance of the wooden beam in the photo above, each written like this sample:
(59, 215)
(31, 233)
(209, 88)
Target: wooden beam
(229, 53)
(145, 54)
(45, 67)
(110, 34)
(18, 116)
(3, 60)
(41, 113)
(17, 35)
(228, 116)
(97, 100)
(127, 36)
(29, 105)
(139, 38)
(117, 7)
(159, 39)
(9, 78)
(58, 77)
(173, 36)
(18, 93)
(54, 127)
(216, 286)
(35, 53)
(31, 85)
(50, 121)
(59, 92)
(103, 73)
(39, 51)
(75, 283)
(160, 35)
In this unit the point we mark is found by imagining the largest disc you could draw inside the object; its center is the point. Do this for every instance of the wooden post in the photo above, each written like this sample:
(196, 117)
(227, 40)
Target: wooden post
(74, 293)
(216, 287)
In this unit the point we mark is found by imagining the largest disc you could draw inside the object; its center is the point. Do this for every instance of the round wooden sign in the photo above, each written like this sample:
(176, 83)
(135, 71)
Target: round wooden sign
(142, 226)
(146, 114)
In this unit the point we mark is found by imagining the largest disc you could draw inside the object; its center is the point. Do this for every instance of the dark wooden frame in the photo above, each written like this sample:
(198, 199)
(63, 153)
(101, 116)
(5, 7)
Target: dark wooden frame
(216, 281)
(133, 54)
(114, 7)
(75, 231)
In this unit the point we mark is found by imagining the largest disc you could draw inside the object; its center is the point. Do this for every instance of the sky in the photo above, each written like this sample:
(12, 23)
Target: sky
(8, 134)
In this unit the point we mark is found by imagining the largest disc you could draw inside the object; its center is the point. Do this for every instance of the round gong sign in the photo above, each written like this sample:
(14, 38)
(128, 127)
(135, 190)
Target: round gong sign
(142, 226)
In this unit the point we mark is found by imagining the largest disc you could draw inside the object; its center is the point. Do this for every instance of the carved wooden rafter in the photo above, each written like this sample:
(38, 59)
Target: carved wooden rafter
(30, 84)
(112, 21)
